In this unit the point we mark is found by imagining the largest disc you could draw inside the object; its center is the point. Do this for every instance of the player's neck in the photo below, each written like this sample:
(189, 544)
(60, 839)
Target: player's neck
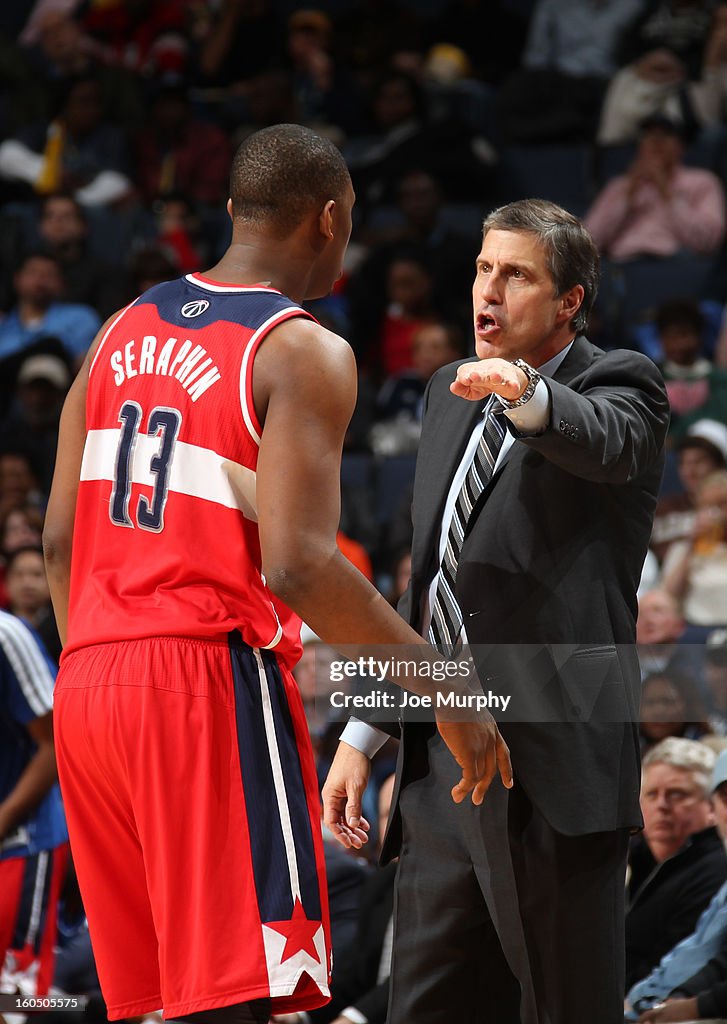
(272, 264)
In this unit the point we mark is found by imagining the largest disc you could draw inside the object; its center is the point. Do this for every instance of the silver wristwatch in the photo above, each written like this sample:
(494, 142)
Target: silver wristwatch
(533, 379)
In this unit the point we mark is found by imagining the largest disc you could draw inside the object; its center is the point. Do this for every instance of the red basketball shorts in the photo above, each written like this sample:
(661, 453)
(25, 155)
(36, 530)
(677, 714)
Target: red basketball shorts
(29, 890)
(192, 805)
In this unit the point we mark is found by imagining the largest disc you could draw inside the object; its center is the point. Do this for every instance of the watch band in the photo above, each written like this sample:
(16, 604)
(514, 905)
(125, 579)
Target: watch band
(534, 379)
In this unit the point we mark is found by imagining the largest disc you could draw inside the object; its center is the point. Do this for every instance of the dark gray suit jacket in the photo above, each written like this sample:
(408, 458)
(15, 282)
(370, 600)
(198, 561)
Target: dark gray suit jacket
(547, 580)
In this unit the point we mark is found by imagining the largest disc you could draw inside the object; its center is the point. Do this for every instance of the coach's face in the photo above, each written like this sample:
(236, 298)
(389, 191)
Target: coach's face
(517, 314)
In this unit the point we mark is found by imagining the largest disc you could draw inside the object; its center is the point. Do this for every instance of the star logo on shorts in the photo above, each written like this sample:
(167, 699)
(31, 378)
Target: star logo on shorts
(299, 933)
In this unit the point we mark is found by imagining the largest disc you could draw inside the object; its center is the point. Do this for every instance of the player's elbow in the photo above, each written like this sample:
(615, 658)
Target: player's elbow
(288, 580)
(294, 576)
(56, 549)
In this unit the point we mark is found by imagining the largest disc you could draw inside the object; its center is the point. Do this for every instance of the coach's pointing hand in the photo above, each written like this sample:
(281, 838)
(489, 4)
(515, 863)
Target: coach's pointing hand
(477, 380)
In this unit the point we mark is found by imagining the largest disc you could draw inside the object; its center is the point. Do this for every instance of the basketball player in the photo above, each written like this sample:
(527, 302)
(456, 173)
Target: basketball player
(200, 449)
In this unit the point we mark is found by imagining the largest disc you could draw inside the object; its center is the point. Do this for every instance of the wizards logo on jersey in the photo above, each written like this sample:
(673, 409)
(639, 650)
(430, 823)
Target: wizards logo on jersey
(192, 309)
(285, 866)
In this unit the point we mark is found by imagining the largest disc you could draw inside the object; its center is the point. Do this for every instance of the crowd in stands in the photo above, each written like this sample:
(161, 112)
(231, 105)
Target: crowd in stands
(118, 119)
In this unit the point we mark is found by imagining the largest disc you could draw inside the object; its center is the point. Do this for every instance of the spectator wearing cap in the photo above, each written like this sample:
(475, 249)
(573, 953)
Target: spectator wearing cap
(715, 673)
(679, 862)
(695, 570)
(710, 934)
(659, 207)
(42, 383)
(702, 450)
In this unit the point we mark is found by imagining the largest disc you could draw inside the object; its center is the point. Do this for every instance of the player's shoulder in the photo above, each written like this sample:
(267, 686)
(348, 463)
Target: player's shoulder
(305, 364)
(309, 343)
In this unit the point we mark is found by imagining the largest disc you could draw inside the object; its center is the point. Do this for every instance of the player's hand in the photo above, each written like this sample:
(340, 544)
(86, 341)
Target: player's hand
(480, 751)
(342, 795)
(475, 381)
(673, 1010)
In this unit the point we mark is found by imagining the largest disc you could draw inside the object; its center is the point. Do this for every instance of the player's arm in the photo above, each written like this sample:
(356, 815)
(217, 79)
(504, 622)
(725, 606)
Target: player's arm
(305, 388)
(304, 383)
(36, 780)
(61, 512)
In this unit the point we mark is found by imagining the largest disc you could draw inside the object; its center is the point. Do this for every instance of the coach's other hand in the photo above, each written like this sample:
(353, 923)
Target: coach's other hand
(342, 795)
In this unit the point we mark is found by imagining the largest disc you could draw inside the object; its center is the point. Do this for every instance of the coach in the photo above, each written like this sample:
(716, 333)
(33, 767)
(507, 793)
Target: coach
(535, 490)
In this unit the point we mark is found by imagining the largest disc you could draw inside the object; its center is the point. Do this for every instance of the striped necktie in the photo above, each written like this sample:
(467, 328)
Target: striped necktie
(446, 625)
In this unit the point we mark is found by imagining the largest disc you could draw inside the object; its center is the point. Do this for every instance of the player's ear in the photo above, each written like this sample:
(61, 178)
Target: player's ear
(571, 301)
(229, 209)
(325, 221)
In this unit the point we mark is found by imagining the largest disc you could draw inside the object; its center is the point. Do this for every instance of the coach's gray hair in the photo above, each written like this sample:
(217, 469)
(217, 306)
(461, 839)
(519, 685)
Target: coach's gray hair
(571, 253)
(688, 755)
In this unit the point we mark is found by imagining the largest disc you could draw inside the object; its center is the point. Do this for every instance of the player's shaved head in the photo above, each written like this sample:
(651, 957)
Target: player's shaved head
(283, 173)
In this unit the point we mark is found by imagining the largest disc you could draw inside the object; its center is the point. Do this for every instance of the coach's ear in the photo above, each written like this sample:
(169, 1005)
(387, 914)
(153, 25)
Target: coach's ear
(571, 302)
(229, 209)
(325, 221)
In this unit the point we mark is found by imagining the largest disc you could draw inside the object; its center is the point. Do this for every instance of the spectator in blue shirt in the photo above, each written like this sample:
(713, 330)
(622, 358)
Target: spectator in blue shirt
(40, 311)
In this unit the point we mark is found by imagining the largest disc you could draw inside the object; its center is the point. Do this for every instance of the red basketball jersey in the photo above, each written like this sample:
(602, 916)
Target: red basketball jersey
(165, 538)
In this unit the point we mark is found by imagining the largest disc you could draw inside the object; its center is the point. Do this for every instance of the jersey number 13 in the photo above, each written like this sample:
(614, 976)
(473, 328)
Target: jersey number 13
(163, 423)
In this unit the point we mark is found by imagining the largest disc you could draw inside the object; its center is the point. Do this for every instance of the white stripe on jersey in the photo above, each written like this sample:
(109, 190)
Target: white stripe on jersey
(262, 329)
(30, 667)
(229, 289)
(196, 471)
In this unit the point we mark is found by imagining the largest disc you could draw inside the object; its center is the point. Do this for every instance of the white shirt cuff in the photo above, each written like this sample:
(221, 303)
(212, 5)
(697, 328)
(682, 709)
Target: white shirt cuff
(533, 416)
(354, 1015)
(364, 737)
